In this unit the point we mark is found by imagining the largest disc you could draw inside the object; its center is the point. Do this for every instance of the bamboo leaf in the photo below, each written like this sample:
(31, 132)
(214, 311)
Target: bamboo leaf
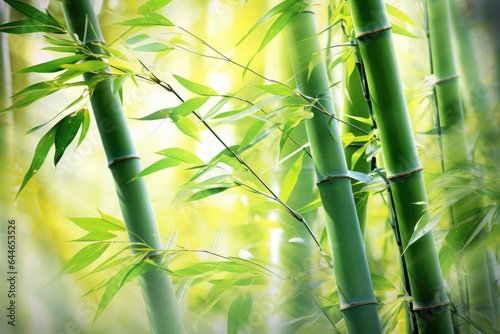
(342, 58)
(97, 224)
(181, 154)
(251, 133)
(207, 192)
(66, 132)
(159, 165)
(116, 282)
(195, 87)
(137, 39)
(87, 66)
(424, 225)
(401, 31)
(32, 12)
(53, 65)
(215, 108)
(187, 126)
(238, 312)
(29, 26)
(187, 107)
(150, 20)
(356, 155)
(83, 258)
(153, 47)
(59, 41)
(159, 114)
(41, 151)
(276, 89)
(152, 6)
(291, 179)
(391, 10)
(311, 206)
(96, 236)
(363, 120)
(276, 27)
(112, 220)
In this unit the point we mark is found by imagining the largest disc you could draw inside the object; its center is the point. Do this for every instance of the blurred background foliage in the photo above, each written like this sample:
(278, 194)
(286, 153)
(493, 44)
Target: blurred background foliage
(234, 222)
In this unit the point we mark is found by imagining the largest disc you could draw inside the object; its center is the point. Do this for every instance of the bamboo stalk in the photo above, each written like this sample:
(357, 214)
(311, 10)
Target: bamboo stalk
(357, 300)
(157, 290)
(455, 153)
(403, 167)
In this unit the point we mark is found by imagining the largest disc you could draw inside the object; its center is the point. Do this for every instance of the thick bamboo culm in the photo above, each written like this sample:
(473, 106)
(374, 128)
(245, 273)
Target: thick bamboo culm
(455, 154)
(357, 299)
(157, 290)
(403, 167)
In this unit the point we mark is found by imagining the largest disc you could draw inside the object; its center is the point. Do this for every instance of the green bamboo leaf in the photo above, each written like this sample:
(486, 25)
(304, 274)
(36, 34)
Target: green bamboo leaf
(276, 27)
(87, 66)
(66, 132)
(291, 179)
(287, 130)
(181, 154)
(85, 125)
(112, 220)
(424, 225)
(311, 206)
(187, 107)
(363, 120)
(159, 165)
(358, 154)
(252, 133)
(345, 55)
(150, 20)
(66, 49)
(215, 108)
(117, 282)
(153, 47)
(159, 114)
(195, 87)
(111, 51)
(32, 12)
(59, 41)
(137, 39)
(41, 151)
(83, 258)
(53, 65)
(97, 224)
(401, 31)
(32, 94)
(276, 89)
(238, 312)
(187, 126)
(29, 26)
(152, 6)
(239, 114)
(391, 10)
(96, 236)
(207, 192)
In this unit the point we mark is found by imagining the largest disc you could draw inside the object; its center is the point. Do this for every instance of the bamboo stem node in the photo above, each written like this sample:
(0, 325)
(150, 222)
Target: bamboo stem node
(374, 31)
(333, 177)
(343, 308)
(454, 76)
(413, 171)
(431, 306)
(116, 161)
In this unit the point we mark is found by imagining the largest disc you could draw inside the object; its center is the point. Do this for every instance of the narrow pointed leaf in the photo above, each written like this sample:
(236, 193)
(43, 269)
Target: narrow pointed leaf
(181, 154)
(195, 87)
(291, 179)
(187, 107)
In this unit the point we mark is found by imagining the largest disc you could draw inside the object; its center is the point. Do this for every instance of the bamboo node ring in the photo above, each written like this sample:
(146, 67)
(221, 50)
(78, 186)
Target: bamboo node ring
(115, 161)
(356, 305)
(332, 177)
(364, 34)
(413, 171)
(446, 79)
(431, 306)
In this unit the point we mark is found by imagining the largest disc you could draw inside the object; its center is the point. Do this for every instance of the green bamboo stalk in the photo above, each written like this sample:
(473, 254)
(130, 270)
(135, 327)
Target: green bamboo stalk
(157, 290)
(357, 300)
(403, 167)
(449, 104)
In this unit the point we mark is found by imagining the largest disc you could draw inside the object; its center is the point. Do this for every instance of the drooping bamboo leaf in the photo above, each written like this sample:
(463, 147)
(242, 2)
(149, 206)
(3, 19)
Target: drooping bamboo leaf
(150, 20)
(66, 132)
(137, 39)
(159, 114)
(216, 108)
(32, 12)
(187, 126)
(83, 258)
(311, 206)
(252, 133)
(187, 107)
(423, 226)
(112, 220)
(207, 192)
(159, 165)
(238, 312)
(87, 66)
(29, 26)
(181, 154)
(97, 224)
(41, 151)
(391, 10)
(59, 41)
(153, 47)
(152, 6)
(53, 65)
(96, 236)
(402, 31)
(195, 87)
(276, 89)
(116, 282)
(256, 139)
(291, 178)
(345, 55)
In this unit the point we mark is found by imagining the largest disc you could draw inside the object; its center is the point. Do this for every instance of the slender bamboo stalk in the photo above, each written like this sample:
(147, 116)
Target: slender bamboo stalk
(455, 153)
(357, 300)
(402, 164)
(158, 293)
